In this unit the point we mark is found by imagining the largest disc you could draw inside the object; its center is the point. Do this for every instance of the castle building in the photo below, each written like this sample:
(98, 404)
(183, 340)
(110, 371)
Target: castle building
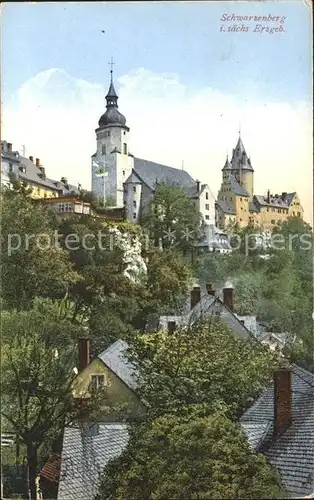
(121, 179)
(237, 204)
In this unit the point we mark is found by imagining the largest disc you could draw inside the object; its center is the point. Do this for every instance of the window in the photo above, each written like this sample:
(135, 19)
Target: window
(207, 217)
(134, 204)
(134, 189)
(299, 214)
(10, 168)
(123, 172)
(107, 134)
(134, 215)
(240, 199)
(98, 381)
(206, 196)
(123, 132)
(272, 221)
(171, 326)
(103, 149)
(125, 148)
(207, 206)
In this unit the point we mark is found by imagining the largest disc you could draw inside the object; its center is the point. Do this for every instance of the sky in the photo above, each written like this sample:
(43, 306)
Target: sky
(186, 85)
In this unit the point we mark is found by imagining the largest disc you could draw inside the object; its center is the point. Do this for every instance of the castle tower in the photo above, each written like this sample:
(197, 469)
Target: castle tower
(242, 169)
(112, 163)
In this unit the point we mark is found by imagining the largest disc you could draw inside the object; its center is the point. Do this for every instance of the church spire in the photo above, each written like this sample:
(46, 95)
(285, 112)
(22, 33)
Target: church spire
(111, 97)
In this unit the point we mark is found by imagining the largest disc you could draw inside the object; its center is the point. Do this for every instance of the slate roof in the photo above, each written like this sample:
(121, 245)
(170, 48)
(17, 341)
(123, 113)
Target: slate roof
(223, 205)
(227, 165)
(212, 304)
(273, 201)
(85, 453)
(253, 207)
(289, 197)
(292, 454)
(115, 359)
(240, 158)
(133, 178)
(33, 174)
(236, 187)
(150, 172)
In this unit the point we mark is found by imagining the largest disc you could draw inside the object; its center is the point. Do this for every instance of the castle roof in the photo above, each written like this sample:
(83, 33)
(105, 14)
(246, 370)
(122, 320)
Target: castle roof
(240, 158)
(236, 187)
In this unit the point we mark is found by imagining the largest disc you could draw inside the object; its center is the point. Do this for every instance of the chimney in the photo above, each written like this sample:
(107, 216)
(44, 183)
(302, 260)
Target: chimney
(195, 296)
(228, 295)
(42, 171)
(31, 158)
(37, 162)
(282, 400)
(84, 353)
(9, 146)
(198, 186)
(210, 289)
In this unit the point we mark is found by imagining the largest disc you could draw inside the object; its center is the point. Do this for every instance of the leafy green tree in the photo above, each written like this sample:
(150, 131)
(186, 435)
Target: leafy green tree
(194, 457)
(32, 264)
(169, 278)
(171, 217)
(37, 374)
(201, 365)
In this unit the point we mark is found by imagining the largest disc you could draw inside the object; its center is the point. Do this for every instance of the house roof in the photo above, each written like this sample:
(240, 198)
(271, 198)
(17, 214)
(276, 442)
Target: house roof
(85, 453)
(151, 172)
(51, 469)
(115, 359)
(32, 174)
(292, 454)
(209, 303)
(214, 237)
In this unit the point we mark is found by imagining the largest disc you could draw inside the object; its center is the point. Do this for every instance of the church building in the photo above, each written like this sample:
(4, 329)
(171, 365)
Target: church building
(237, 203)
(121, 179)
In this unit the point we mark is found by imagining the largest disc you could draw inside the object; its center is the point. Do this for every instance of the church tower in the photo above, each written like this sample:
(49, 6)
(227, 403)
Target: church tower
(242, 169)
(112, 163)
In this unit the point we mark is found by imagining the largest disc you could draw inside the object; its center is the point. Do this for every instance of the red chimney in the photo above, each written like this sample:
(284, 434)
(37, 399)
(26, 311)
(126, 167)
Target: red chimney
(31, 158)
(195, 296)
(228, 295)
(37, 162)
(282, 400)
(210, 289)
(9, 145)
(84, 353)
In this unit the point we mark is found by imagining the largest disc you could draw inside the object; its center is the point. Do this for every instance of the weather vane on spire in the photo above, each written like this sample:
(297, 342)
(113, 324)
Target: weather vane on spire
(239, 129)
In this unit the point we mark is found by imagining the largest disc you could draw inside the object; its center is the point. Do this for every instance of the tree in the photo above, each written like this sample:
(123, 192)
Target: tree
(171, 217)
(200, 365)
(169, 278)
(192, 457)
(32, 263)
(37, 374)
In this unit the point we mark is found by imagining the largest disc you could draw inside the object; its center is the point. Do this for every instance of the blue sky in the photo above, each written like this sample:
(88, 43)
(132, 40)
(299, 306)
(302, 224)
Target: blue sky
(184, 86)
(183, 38)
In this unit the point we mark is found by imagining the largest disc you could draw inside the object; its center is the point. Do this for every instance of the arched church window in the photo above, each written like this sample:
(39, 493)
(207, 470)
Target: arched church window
(103, 149)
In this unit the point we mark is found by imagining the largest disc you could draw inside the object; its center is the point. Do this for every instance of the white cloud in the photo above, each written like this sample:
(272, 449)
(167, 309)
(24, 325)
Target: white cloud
(55, 116)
